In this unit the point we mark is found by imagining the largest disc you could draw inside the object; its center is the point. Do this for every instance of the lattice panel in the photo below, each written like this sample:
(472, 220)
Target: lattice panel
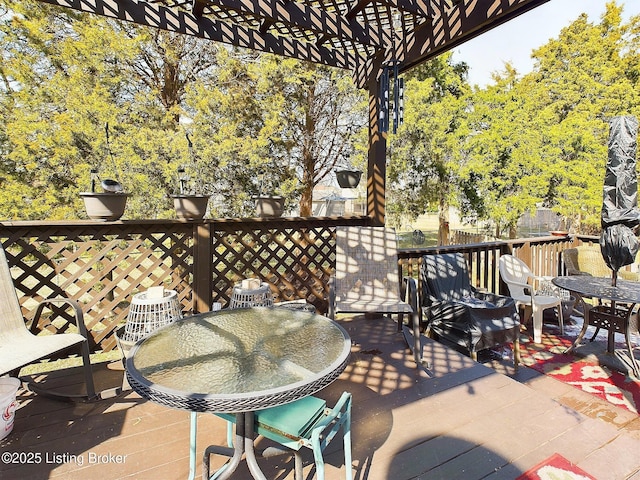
(296, 262)
(101, 267)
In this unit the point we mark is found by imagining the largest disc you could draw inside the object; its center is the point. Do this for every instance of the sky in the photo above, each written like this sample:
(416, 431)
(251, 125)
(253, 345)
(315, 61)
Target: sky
(514, 41)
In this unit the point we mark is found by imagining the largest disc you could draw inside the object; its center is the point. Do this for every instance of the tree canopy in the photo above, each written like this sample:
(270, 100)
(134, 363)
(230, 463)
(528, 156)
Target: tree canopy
(538, 140)
(243, 123)
(240, 123)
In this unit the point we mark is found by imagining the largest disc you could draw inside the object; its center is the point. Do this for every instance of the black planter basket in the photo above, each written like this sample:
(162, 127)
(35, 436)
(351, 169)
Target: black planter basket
(348, 178)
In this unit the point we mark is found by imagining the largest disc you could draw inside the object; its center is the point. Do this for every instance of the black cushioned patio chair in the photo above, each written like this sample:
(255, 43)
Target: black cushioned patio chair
(456, 314)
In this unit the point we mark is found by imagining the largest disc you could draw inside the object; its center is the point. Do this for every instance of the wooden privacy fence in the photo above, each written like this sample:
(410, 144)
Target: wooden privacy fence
(102, 265)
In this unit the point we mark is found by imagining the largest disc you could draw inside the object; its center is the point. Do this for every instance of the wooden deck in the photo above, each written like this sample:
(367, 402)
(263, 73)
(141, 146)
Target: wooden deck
(460, 420)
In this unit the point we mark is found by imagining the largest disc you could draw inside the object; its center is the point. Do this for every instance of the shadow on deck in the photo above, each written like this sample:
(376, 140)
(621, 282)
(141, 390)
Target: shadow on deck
(460, 420)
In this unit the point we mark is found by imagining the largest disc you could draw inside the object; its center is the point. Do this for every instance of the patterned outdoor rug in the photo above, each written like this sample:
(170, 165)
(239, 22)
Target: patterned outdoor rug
(555, 467)
(585, 373)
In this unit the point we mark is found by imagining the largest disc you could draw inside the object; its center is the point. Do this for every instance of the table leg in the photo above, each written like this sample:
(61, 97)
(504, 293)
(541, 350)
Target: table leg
(234, 453)
(243, 443)
(193, 423)
(634, 364)
(585, 325)
(250, 453)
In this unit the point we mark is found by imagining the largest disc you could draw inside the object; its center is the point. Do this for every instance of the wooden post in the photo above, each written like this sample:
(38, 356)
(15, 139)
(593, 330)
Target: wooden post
(202, 267)
(377, 168)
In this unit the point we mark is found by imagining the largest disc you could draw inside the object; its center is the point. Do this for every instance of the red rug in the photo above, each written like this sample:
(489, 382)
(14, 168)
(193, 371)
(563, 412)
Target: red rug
(555, 467)
(587, 375)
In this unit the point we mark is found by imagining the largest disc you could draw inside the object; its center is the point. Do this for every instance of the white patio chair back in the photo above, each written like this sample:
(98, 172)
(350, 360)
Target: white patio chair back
(516, 274)
(521, 282)
(367, 270)
(20, 347)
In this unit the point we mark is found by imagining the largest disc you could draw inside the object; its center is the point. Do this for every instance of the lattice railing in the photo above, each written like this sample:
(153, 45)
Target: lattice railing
(297, 260)
(102, 265)
(99, 265)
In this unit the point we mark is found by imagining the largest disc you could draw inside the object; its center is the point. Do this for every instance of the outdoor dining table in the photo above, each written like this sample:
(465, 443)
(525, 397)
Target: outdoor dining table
(238, 361)
(614, 316)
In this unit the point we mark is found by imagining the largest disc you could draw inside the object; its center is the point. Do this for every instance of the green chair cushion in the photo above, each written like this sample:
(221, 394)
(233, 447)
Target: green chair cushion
(287, 422)
(292, 419)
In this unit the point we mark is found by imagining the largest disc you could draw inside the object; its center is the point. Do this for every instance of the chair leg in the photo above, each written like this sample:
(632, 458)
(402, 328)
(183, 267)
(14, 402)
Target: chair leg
(347, 445)
(317, 455)
(560, 318)
(414, 341)
(88, 372)
(193, 430)
(516, 353)
(537, 324)
(90, 395)
(297, 461)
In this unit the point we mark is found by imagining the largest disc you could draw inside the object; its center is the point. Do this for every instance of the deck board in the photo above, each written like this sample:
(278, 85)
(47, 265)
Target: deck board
(459, 419)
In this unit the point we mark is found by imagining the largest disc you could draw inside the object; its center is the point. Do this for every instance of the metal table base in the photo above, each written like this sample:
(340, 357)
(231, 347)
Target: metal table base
(243, 444)
(614, 319)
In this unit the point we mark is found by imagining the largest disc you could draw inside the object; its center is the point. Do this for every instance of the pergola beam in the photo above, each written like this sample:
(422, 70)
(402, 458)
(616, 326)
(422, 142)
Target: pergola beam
(416, 7)
(459, 24)
(307, 18)
(158, 16)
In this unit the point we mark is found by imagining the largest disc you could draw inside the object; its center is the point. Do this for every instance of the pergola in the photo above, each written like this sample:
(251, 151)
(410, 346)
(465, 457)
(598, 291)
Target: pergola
(362, 36)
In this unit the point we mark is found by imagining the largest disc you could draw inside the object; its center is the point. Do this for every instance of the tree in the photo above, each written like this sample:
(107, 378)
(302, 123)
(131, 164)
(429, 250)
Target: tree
(424, 155)
(320, 113)
(500, 165)
(62, 84)
(259, 124)
(582, 79)
(541, 140)
(274, 126)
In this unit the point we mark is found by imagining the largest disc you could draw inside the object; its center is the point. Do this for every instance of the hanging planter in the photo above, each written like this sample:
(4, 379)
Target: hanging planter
(108, 205)
(348, 178)
(190, 207)
(189, 203)
(269, 205)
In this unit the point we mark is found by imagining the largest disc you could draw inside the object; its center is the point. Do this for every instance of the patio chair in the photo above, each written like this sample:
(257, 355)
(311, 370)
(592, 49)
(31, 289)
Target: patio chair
(458, 315)
(524, 289)
(588, 260)
(304, 423)
(366, 280)
(20, 347)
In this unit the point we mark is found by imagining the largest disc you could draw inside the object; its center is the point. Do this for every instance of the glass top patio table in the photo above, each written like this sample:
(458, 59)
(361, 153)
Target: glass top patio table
(238, 360)
(615, 318)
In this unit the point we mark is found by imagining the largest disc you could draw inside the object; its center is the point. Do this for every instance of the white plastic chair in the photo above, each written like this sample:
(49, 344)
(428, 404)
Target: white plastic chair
(522, 282)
